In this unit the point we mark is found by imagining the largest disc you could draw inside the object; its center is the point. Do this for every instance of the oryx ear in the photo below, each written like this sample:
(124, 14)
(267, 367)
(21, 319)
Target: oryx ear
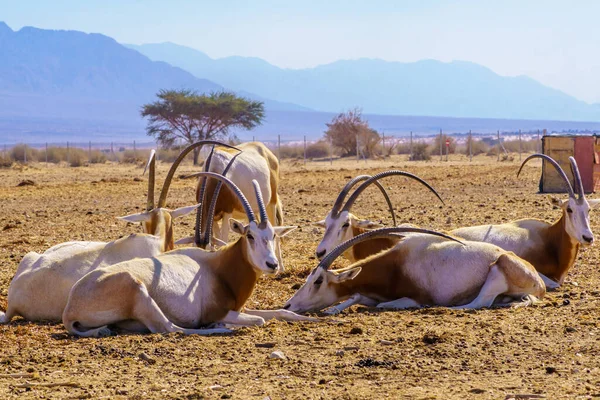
(594, 203)
(180, 212)
(139, 217)
(365, 224)
(555, 201)
(320, 224)
(237, 226)
(185, 240)
(347, 275)
(281, 231)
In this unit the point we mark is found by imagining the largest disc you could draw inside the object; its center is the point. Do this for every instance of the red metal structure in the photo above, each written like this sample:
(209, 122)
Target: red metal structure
(560, 148)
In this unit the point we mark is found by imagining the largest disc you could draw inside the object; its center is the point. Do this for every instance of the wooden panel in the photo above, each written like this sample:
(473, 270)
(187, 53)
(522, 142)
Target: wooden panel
(584, 155)
(560, 149)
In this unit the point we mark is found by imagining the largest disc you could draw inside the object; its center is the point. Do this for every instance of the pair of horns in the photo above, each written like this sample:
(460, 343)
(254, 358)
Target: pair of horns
(199, 239)
(151, 179)
(165, 189)
(376, 233)
(562, 174)
(368, 180)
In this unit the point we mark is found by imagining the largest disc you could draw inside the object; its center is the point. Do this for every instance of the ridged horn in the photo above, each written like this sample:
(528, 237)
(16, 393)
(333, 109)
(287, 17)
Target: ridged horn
(384, 174)
(577, 176)
(238, 193)
(165, 189)
(198, 227)
(342, 196)
(213, 205)
(556, 166)
(376, 233)
(261, 204)
(151, 165)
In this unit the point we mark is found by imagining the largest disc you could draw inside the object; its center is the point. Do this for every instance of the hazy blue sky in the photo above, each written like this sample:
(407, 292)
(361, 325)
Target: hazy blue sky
(555, 42)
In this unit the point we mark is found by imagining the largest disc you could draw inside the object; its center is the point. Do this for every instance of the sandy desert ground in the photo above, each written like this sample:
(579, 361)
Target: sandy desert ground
(551, 349)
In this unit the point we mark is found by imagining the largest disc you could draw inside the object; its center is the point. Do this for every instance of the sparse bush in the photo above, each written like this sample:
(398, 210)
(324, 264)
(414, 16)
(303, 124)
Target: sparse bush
(291, 151)
(17, 153)
(318, 149)
(420, 152)
(77, 157)
(97, 157)
(167, 155)
(478, 147)
(134, 157)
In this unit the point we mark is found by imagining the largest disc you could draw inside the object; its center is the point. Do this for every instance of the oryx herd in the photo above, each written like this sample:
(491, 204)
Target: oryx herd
(143, 283)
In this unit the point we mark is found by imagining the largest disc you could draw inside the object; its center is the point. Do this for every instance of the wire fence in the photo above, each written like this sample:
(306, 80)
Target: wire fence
(417, 147)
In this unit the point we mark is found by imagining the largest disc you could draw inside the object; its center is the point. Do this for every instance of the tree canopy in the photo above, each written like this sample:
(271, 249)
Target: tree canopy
(189, 116)
(345, 128)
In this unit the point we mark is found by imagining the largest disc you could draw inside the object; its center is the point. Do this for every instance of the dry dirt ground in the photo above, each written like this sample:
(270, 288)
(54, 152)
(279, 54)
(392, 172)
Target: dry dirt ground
(551, 349)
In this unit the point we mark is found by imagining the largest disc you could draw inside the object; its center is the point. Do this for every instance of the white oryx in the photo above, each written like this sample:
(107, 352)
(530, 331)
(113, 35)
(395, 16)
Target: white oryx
(185, 290)
(255, 162)
(41, 285)
(419, 270)
(551, 248)
(341, 225)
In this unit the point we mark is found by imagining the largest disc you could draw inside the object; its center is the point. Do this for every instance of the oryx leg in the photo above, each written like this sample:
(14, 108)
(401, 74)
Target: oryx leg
(550, 284)
(352, 300)
(399, 304)
(242, 319)
(91, 307)
(511, 277)
(281, 314)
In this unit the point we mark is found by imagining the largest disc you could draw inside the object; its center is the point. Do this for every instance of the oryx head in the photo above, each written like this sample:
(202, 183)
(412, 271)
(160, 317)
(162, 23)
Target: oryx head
(258, 236)
(340, 222)
(576, 208)
(322, 286)
(157, 220)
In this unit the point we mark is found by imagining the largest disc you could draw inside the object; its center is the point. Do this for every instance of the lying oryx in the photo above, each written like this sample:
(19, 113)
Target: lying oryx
(551, 248)
(419, 270)
(41, 285)
(185, 290)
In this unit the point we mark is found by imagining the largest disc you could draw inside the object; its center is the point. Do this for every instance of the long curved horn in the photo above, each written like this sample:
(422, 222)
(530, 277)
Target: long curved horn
(577, 176)
(261, 203)
(556, 166)
(198, 227)
(384, 174)
(213, 205)
(165, 189)
(236, 190)
(151, 179)
(342, 196)
(376, 233)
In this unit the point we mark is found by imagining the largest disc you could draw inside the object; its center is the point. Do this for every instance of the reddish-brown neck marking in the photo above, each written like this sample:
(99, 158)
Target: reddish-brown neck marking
(365, 249)
(559, 252)
(382, 278)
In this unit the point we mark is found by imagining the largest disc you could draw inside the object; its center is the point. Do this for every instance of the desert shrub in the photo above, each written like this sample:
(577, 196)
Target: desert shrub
(167, 155)
(478, 147)
(134, 157)
(97, 157)
(17, 153)
(420, 152)
(318, 149)
(77, 157)
(291, 151)
(527, 146)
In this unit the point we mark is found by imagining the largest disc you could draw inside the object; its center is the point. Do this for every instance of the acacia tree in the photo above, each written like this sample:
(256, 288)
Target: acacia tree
(187, 115)
(344, 128)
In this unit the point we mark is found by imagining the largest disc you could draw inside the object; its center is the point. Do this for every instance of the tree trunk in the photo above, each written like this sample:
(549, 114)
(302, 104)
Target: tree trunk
(196, 154)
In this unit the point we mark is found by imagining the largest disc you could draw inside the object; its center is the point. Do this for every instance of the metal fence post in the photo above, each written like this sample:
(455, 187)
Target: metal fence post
(470, 146)
(520, 145)
(134, 155)
(46, 154)
(24, 153)
(410, 156)
(90, 152)
(304, 149)
(440, 145)
(68, 155)
(498, 145)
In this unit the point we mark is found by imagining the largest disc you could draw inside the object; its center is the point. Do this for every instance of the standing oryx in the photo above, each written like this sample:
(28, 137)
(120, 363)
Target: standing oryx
(341, 225)
(255, 162)
(551, 248)
(41, 285)
(418, 270)
(185, 290)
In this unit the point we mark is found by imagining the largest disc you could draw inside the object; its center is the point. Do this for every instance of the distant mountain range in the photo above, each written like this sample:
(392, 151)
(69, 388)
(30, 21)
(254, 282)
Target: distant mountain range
(429, 87)
(69, 84)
